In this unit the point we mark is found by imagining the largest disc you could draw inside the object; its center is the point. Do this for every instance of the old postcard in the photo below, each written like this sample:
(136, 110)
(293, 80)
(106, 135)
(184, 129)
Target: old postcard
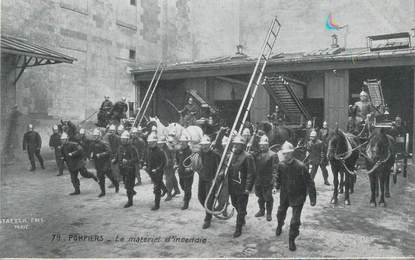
(207, 129)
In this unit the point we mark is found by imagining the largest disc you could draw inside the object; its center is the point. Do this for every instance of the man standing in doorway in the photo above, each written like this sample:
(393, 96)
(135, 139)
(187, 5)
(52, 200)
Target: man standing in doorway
(32, 142)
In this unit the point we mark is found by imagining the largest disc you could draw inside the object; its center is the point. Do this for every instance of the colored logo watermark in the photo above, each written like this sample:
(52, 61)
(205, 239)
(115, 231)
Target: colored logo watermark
(331, 23)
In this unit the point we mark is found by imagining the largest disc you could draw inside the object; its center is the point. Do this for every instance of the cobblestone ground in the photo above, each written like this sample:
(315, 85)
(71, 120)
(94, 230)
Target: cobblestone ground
(41, 198)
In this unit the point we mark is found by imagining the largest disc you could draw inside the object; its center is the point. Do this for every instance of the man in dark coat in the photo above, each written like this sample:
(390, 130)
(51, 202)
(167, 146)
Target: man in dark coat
(399, 132)
(190, 112)
(85, 143)
(156, 162)
(277, 117)
(308, 129)
(209, 163)
(266, 163)
(186, 174)
(140, 147)
(56, 145)
(126, 157)
(32, 142)
(114, 141)
(104, 112)
(241, 178)
(294, 183)
(100, 153)
(324, 136)
(316, 157)
(119, 110)
(172, 184)
(72, 154)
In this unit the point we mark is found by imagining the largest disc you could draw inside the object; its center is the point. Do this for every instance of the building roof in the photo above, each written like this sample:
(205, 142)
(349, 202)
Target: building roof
(330, 58)
(39, 55)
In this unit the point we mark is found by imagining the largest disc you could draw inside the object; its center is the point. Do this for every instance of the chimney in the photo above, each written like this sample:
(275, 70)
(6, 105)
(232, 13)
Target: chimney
(239, 49)
(334, 43)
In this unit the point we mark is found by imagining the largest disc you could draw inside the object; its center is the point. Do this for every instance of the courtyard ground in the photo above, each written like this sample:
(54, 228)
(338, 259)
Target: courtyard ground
(54, 223)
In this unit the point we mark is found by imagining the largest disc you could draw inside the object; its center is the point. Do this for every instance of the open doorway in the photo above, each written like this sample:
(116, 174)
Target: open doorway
(397, 87)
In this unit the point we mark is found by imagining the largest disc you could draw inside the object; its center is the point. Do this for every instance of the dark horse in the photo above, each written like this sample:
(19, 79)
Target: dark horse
(343, 154)
(379, 160)
(69, 128)
(277, 135)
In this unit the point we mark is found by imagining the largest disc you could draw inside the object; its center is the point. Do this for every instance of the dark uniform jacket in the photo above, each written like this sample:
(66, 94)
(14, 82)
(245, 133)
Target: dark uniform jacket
(210, 162)
(76, 161)
(32, 141)
(103, 163)
(398, 131)
(181, 155)
(106, 105)
(140, 147)
(307, 133)
(119, 109)
(294, 182)
(156, 160)
(85, 143)
(128, 153)
(323, 135)
(316, 150)
(241, 173)
(266, 168)
(114, 142)
(55, 140)
(170, 156)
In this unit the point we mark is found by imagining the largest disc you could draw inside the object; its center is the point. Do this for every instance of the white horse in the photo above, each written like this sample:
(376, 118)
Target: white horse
(175, 130)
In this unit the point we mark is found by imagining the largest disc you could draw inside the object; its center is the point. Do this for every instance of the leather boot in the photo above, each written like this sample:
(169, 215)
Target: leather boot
(261, 211)
(169, 197)
(278, 231)
(291, 244)
(185, 204)
(238, 231)
(269, 211)
(206, 224)
(156, 203)
(76, 192)
(102, 187)
(117, 187)
(130, 201)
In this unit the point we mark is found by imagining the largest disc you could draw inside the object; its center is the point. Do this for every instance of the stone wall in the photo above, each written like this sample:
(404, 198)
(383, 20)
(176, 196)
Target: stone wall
(102, 34)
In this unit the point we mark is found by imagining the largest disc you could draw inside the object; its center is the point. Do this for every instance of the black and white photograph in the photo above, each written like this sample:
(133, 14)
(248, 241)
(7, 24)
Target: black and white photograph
(207, 129)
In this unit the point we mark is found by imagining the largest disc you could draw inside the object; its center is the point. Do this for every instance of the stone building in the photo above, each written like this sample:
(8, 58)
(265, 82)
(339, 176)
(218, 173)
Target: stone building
(111, 39)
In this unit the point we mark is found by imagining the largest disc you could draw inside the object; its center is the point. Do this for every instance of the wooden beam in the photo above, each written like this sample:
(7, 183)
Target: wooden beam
(276, 67)
(235, 81)
(25, 63)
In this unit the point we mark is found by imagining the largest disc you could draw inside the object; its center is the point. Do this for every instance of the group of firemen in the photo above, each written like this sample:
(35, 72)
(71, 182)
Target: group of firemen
(120, 155)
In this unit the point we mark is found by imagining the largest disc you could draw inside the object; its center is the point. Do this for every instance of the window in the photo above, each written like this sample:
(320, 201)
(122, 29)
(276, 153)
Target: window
(132, 54)
(133, 2)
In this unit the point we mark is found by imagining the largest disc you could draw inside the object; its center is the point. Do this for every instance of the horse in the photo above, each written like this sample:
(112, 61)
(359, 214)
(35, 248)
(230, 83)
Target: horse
(343, 153)
(175, 130)
(277, 135)
(379, 158)
(69, 128)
